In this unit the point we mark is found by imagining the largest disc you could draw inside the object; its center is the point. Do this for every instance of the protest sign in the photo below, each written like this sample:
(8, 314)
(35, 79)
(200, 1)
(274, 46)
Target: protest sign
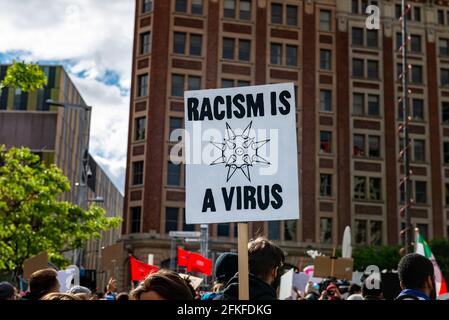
(34, 264)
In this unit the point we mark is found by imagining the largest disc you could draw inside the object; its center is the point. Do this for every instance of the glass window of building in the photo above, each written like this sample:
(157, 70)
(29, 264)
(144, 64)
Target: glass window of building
(171, 219)
(357, 36)
(197, 7)
(245, 10)
(175, 124)
(372, 38)
(274, 230)
(359, 145)
(325, 142)
(374, 146)
(147, 6)
(445, 112)
(196, 44)
(358, 103)
(325, 230)
(223, 230)
(177, 85)
(373, 105)
(244, 50)
(290, 230)
(185, 226)
(418, 109)
(137, 173)
(226, 83)
(444, 77)
(228, 48)
(421, 192)
(292, 55)
(443, 45)
(417, 75)
(357, 67)
(136, 219)
(140, 129)
(179, 42)
(325, 20)
(416, 45)
(325, 185)
(359, 188)
(325, 100)
(292, 15)
(446, 152)
(375, 189)
(325, 59)
(441, 17)
(181, 5)
(361, 232)
(419, 150)
(373, 69)
(173, 174)
(229, 9)
(276, 13)
(142, 89)
(376, 233)
(276, 53)
(194, 83)
(145, 42)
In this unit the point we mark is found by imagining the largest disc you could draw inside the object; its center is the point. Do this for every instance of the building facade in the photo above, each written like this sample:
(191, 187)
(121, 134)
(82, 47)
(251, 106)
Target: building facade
(348, 113)
(59, 136)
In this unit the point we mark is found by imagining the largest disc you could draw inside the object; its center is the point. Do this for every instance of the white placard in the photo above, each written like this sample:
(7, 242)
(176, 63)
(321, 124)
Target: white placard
(241, 154)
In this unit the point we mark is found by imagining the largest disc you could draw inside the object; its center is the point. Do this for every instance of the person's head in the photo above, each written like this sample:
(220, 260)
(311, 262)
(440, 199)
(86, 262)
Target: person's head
(163, 285)
(80, 291)
(7, 291)
(354, 289)
(265, 258)
(372, 287)
(61, 297)
(226, 266)
(123, 296)
(312, 291)
(416, 272)
(43, 282)
(332, 292)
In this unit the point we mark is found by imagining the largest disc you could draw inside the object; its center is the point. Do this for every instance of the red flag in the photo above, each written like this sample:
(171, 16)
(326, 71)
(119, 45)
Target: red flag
(183, 257)
(198, 263)
(140, 270)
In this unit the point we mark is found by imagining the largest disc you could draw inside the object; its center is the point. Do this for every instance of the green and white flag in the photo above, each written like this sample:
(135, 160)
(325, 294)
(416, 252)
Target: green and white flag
(422, 248)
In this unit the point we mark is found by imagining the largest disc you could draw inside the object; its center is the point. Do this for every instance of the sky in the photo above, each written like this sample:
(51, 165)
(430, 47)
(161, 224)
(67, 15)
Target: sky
(93, 39)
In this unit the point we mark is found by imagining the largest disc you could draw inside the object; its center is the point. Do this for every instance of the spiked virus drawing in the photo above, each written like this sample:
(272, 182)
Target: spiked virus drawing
(239, 152)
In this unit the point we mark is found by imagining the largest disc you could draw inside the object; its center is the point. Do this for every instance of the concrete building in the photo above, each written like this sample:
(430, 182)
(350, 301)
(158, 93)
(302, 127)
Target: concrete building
(60, 136)
(347, 113)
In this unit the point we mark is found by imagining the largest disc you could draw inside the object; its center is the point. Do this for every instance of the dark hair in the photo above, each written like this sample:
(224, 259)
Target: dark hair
(264, 256)
(414, 270)
(354, 288)
(43, 281)
(167, 284)
(123, 296)
(6, 291)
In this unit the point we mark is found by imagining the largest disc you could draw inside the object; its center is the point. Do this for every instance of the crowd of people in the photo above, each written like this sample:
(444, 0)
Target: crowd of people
(266, 260)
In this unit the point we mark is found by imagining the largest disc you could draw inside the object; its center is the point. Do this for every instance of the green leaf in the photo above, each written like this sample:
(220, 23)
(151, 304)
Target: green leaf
(27, 77)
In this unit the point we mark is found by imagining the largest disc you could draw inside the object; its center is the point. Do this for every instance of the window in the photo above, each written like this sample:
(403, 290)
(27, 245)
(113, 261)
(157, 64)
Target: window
(140, 129)
(444, 47)
(398, 40)
(179, 43)
(196, 42)
(358, 103)
(292, 55)
(292, 15)
(440, 17)
(416, 44)
(227, 83)
(357, 36)
(325, 230)
(374, 188)
(417, 14)
(361, 232)
(223, 230)
(276, 53)
(177, 85)
(445, 112)
(175, 124)
(446, 152)
(138, 173)
(245, 9)
(20, 99)
(357, 67)
(229, 9)
(194, 83)
(444, 77)
(359, 145)
(274, 230)
(181, 5)
(186, 227)
(375, 233)
(372, 38)
(197, 7)
(171, 219)
(145, 43)
(418, 109)
(326, 100)
(142, 89)
(419, 150)
(147, 6)
(417, 74)
(244, 50)
(173, 174)
(373, 69)
(228, 48)
(359, 188)
(136, 218)
(325, 142)
(374, 146)
(447, 193)
(421, 192)
(276, 13)
(243, 83)
(355, 6)
(325, 185)
(290, 230)
(373, 105)
(325, 20)
(325, 59)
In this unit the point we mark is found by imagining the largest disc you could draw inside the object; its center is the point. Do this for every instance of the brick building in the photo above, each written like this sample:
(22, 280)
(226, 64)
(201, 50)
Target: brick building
(347, 110)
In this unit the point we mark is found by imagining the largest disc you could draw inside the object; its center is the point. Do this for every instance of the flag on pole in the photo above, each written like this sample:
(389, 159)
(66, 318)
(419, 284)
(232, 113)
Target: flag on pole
(198, 263)
(422, 248)
(140, 270)
(183, 257)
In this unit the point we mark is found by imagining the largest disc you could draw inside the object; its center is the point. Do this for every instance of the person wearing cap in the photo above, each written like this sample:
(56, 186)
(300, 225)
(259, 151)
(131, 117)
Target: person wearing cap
(331, 293)
(7, 291)
(226, 266)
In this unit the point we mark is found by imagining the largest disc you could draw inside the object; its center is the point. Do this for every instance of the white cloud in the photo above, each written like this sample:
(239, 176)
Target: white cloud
(94, 37)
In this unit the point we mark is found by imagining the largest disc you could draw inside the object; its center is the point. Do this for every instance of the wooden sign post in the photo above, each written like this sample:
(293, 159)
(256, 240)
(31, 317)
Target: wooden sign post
(243, 261)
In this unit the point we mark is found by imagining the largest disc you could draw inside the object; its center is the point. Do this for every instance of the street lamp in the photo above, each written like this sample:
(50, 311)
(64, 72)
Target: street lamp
(82, 197)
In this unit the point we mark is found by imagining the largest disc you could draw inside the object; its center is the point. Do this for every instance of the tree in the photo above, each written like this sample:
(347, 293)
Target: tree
(27, 77)
(32, 219)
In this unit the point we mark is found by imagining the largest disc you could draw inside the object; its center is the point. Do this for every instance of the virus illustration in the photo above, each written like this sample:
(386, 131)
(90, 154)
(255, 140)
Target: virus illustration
(239, 152)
